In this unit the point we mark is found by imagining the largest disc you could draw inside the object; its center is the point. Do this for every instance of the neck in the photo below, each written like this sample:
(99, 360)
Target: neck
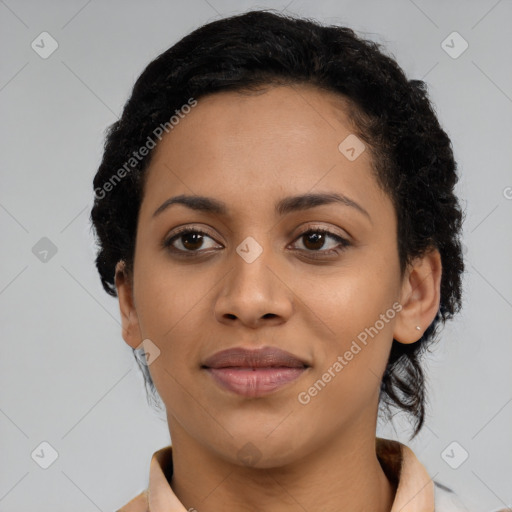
(344, 474)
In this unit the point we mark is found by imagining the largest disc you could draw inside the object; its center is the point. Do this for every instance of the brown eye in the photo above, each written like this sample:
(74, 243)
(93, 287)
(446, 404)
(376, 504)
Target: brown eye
(187, 240)
(315, 239)
(192, 241)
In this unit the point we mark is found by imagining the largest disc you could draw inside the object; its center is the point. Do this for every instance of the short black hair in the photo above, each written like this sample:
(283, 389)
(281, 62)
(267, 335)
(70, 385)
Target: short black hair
(412, 156)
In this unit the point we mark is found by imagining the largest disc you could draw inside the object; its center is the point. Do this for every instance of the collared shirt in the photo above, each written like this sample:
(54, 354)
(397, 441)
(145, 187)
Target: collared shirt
(416, 491)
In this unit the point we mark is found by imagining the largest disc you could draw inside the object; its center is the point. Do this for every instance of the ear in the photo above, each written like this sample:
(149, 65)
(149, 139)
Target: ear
(420, 297)
(129, 319)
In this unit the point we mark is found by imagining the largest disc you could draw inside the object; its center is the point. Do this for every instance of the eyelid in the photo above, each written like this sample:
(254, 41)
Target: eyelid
(167, 244)
(322, 227)
(343, 240)
(184, 228)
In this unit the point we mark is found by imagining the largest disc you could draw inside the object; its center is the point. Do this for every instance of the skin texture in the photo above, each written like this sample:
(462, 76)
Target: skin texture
(250, 151)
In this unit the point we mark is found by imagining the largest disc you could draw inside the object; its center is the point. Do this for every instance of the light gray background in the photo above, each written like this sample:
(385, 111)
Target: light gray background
(68, 378)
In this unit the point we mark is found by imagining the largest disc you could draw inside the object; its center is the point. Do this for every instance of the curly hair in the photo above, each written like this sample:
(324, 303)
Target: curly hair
(412, 157)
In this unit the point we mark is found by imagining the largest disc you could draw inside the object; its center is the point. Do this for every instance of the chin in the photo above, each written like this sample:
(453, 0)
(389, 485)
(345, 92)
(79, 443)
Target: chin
(257, 449)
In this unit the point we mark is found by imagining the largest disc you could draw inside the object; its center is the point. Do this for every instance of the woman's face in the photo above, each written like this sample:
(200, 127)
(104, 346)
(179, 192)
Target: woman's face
(255, 279)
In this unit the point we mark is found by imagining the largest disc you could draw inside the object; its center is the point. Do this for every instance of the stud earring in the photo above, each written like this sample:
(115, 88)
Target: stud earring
(418, 327)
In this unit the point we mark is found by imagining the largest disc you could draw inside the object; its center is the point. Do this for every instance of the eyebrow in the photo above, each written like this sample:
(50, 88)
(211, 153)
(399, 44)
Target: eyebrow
(282, 207)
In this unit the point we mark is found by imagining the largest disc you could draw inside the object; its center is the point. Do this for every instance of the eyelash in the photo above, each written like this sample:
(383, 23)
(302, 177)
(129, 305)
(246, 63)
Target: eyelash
(343, 243)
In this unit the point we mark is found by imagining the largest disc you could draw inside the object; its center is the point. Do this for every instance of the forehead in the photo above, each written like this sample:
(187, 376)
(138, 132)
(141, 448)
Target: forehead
(248, 148)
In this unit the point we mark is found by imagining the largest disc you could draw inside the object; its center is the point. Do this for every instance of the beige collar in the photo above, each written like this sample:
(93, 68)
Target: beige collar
(415, 491)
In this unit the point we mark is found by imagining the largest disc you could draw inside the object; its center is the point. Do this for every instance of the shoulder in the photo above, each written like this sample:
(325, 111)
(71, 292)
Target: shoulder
(137, 504)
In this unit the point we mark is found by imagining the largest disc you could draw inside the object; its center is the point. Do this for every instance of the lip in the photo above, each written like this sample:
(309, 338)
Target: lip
(264, 357)
(254, 372)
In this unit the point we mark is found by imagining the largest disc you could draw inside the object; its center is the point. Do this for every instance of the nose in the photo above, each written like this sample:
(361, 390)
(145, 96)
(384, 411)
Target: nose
(255, 292)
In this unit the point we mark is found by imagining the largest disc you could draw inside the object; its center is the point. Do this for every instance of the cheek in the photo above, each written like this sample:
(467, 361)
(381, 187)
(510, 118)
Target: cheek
(358, 305)
(166, 295)
(169, 304)
(353, 297)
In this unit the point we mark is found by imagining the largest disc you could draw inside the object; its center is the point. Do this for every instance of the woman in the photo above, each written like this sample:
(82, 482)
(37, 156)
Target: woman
(275, 212)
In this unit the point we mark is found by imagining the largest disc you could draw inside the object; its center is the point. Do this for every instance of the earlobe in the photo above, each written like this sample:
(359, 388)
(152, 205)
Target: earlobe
(129, 320)
(420, 297)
